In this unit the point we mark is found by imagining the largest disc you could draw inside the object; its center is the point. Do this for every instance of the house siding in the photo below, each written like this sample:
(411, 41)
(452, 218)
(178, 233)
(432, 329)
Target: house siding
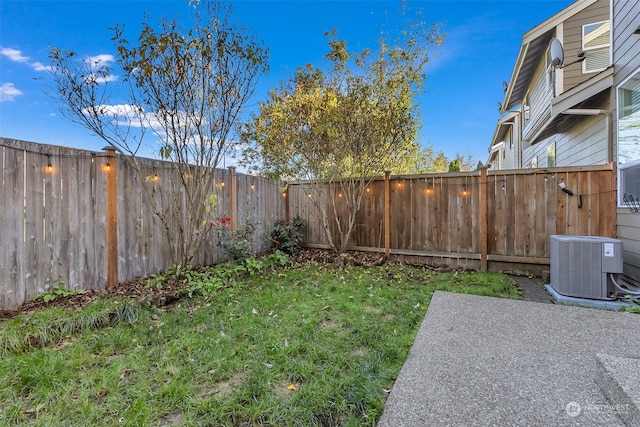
(586, 144)
(509, 151)
(626, 58)
(572, 41)
(540, 95)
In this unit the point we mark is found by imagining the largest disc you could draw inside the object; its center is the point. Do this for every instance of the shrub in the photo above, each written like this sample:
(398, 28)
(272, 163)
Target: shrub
(286, 237)
(239, 244)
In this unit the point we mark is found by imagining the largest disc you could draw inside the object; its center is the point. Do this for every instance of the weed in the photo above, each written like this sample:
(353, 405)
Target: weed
(254, 266)
(55, 292)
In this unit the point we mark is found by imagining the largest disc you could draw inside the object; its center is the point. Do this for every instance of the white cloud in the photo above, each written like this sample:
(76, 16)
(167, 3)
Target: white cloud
(97, 63)
(17, 56)
(109, 78)
(13, 55)
(126, 110)
(8, 92)
(100, 60)
(39, 66)
(125, 115)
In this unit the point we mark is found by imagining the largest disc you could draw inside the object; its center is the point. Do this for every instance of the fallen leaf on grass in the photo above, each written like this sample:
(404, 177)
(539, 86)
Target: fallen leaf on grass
(293, 387)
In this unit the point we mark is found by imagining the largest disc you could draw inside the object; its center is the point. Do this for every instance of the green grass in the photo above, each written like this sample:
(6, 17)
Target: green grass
(306, 345)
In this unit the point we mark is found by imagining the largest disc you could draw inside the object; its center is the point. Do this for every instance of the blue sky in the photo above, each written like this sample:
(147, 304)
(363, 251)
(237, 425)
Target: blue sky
(464, 83)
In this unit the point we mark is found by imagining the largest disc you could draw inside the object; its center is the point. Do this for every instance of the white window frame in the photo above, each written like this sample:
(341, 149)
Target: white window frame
(602, 46)
(526, 110)
(551, 154)
(549, 69)
(634, 162)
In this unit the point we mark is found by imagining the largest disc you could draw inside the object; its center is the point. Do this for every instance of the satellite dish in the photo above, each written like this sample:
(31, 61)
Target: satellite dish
(557, 53)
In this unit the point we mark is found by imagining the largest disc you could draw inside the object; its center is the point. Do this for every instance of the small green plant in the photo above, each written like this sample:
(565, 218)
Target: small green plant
(254, 266)
(206, 284)
(279, 259)
(57, 291)
(174, 272)
(238, 244)
(287, 236)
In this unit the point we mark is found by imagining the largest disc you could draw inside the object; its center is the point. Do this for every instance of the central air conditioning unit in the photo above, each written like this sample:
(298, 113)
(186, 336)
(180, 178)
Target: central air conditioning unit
(581, 265)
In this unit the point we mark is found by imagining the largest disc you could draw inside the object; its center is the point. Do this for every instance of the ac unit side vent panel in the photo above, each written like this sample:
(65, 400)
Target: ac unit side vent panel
(580, 265)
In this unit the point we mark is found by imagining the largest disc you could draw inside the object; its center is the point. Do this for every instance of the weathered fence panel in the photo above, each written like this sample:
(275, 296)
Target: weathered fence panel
(442, 220)
(54, 220)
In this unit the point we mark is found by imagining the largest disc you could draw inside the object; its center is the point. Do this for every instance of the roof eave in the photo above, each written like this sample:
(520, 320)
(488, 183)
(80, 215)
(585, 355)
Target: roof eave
(507, 119)
(540, 30)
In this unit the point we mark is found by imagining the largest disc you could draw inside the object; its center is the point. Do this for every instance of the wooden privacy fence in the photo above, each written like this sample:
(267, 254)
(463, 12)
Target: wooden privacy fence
(64, 213)
(497, 220)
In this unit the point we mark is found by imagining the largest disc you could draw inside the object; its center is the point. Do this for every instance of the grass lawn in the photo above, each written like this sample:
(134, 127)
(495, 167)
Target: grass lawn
(306, 344)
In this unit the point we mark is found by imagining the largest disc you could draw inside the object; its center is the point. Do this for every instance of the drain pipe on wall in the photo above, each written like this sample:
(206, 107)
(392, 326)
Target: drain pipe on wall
(607, 125)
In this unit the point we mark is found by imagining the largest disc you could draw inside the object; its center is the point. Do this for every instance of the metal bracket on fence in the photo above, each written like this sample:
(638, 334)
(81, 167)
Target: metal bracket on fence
(632, 202)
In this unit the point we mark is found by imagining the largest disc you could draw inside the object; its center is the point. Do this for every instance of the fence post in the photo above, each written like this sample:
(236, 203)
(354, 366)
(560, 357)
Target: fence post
(613, 187)
(287, 213)
(483, 218)
(387, 215)
(234, 198)
(112, 217)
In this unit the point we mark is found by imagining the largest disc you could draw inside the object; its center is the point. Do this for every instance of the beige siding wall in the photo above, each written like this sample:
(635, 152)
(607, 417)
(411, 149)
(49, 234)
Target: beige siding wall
(537, 152)
(626, 58)
(586, 144)
(572, 40)
(509, 161)
(540, 94)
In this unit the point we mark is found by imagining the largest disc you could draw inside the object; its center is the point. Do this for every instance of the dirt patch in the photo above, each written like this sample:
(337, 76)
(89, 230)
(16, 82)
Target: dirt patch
(224, 388)
(171, 420)
(327, 323)
(380, 312)
(376, 310)
(359, 352)
(283, 389)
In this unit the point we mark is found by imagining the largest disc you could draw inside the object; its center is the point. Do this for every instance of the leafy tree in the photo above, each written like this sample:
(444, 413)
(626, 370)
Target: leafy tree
(345, 125)
(462, 163)
(424, 161)
(187, 87)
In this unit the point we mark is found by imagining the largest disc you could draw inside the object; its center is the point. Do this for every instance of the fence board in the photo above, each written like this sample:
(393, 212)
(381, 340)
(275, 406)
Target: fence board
(12, 223)
(432, 220)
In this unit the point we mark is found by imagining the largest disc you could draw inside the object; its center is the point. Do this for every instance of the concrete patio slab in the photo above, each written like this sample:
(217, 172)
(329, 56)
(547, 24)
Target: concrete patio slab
(619, 380)
(482, 361)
